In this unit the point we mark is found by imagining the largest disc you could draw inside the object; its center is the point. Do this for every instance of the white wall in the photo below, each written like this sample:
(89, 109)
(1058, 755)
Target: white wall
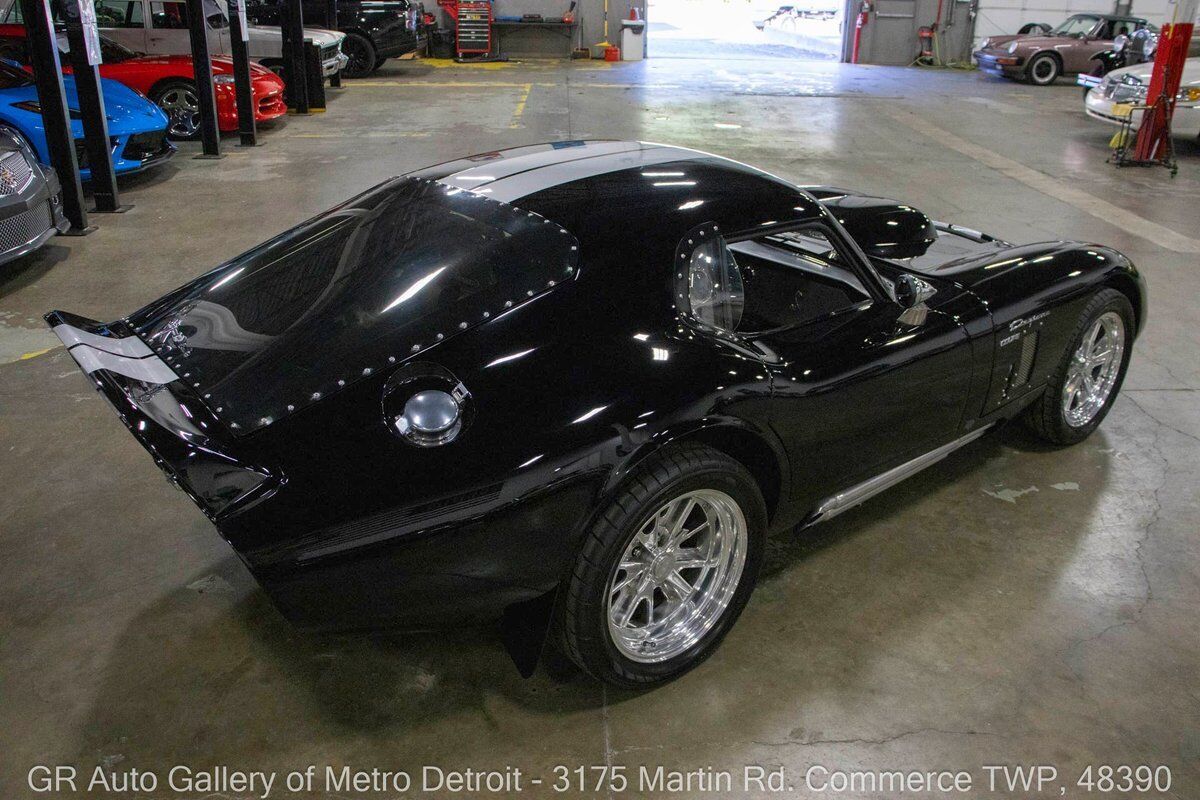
(1007, 16)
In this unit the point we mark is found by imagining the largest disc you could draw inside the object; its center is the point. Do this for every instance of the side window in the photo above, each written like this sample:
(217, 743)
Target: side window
(119, 13)
(168, 16)
(708, 282)
(795, 277)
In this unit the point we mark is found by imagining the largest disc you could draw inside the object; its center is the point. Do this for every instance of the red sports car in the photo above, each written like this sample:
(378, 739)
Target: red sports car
(169, 82)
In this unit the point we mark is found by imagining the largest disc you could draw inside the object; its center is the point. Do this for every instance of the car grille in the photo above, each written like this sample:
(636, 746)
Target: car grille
(20, 229)
(330, 51)
(15, 173)
(146, 145)
(81, 155)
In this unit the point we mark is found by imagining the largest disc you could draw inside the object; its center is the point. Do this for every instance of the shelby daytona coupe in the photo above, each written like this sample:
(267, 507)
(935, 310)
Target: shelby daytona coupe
(574, 386)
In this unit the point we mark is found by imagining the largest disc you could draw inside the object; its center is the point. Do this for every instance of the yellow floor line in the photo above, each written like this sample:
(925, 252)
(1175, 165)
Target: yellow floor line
(520, 109)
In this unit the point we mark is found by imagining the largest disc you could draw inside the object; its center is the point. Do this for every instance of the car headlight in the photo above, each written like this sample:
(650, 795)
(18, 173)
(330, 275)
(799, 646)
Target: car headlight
(223, 79)
(425, 405)
(1189, 94)
(1012, 47)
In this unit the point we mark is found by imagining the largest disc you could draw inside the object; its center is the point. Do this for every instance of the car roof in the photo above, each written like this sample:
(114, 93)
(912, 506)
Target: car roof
(606, 188)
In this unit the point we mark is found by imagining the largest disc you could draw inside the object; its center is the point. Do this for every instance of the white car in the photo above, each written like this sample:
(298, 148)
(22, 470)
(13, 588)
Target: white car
(1113, 101)
(159, 27)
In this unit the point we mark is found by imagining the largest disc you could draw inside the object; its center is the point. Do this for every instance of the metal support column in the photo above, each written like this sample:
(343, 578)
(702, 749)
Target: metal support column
(43, 57)
(296, 86)
(313, 77)
(238, 36)
(84, 44)
(335, 81)
(210, 135)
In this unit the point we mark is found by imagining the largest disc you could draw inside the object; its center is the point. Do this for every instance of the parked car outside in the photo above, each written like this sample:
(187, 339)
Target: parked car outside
(1121, 90)
(375, 30)
(1066, 50)
(169, 82)
(576, 385)
(159, 27)
(30, 199)
(137, 126)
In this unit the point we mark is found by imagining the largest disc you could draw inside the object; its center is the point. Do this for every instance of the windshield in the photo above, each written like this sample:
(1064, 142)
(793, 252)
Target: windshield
(110, 51)
(352, 292)
(1076, 26)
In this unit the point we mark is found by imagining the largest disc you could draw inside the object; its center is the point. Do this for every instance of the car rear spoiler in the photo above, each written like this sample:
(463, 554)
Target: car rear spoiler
(162, 412)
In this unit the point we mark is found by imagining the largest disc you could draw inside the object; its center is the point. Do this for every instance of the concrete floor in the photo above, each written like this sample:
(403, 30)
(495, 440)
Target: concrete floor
(1012, 605)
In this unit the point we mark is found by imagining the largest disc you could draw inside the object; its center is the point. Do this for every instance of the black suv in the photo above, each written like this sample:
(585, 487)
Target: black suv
(376, 30)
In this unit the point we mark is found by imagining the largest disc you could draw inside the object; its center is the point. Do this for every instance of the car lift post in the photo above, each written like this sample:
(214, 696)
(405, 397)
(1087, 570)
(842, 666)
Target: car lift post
(335, 80)
(210, 136)
(103, 182)
(313, 78)
(296, 87)
(238, 35)
(1153, 144)
(47, 71)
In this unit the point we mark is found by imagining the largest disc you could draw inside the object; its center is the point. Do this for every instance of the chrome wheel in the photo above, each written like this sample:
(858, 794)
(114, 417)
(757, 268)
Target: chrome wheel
(182, 107)
(677, 576)
(1094, 370)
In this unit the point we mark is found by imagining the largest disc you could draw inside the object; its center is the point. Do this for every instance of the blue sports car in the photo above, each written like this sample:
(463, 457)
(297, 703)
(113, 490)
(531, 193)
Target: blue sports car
(138, 128)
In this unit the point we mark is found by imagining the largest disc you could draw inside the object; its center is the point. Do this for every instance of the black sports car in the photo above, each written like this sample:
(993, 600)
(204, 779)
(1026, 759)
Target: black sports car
(575, 385)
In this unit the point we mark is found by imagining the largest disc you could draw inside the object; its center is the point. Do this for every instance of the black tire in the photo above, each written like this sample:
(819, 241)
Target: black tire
(1043, 69)
(1046, 417)
(582, 622)
(378, 64)
(165, 95)
(361, 52)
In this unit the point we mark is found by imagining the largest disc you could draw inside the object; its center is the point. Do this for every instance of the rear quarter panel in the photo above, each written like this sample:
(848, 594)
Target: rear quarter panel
(566, 398)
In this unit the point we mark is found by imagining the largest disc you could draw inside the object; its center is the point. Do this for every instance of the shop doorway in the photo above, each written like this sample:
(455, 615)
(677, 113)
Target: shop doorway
(716, 29)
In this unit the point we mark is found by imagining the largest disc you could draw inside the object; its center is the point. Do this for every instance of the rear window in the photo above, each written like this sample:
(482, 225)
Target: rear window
(354, 291)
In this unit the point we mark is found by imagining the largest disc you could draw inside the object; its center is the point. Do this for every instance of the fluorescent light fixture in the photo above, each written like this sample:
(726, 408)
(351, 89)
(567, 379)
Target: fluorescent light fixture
(531, 461)
(641, 337)
(674, 183)
(691, 204)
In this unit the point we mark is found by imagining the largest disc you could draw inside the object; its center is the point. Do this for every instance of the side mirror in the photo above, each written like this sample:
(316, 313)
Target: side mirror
(912, 291)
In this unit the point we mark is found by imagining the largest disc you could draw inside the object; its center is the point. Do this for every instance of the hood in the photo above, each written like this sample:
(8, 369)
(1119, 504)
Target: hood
(1041, 42)
(220, 64)
(997, 41)
(1191, 72)
(126, 110)
(355, 291)
(320, 36)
